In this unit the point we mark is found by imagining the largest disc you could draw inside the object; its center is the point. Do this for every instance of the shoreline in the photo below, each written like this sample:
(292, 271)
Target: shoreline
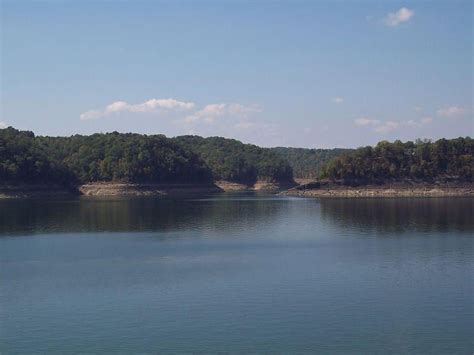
(259, 185)
(312, 190)
(102, 189)
(386, 190)
(35, 191)
(131, 189)
(12, 191)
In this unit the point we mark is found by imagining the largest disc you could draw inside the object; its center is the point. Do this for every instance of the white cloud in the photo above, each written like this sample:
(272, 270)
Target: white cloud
(389, 126)
(451, 111)
(3, 125)
(212, 112)
(364, 121)
(209, 113)
(338, 100)
(168, 104)
(117, 107)
(395, 18)
(91, 115)
(410, 123)
(147, 106)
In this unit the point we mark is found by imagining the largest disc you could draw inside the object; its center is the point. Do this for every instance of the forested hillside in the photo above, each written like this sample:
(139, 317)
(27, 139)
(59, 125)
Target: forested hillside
(193, 159)
(421, 160)
(134, 158)
(232, 160)
(99, 157)
(22, 159)
(307, 163)
(126, 157)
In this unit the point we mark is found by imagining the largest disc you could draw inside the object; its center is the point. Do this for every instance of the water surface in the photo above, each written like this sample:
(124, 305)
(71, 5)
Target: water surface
(237, 273)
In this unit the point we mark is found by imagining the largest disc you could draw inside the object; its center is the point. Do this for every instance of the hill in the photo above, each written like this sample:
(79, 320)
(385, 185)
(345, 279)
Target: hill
(307, 163)
(234, 161)
(134, 158)
(443, 160)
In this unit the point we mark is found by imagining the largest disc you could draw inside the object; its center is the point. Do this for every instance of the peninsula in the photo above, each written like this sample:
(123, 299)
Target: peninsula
(142, 165)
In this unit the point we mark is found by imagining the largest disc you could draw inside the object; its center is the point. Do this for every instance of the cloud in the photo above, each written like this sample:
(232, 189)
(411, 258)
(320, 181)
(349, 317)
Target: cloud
(366, 122)
(231, 120)
(338, 100)
(452, 111)
(212, 112)
(389, 126)
(168, 104)
(152, 105)
(3, 125)
(393, 19)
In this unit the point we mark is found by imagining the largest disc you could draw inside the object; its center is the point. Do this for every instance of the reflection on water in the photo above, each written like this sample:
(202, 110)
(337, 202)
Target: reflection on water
(239, 273)
(132, 214)
(224, 212)
(396, 215)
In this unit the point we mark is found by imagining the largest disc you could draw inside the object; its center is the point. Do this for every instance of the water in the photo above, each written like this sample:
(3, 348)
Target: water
(237, 273)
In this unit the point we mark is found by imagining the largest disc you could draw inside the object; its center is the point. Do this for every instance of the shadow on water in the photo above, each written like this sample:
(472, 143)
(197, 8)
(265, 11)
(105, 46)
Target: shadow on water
(399, 215)
(227, 213)
(219, 212)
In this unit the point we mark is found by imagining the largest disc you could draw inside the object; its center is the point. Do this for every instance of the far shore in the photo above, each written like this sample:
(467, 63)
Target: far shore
(312, 189)
(133, 189)
(328, 190)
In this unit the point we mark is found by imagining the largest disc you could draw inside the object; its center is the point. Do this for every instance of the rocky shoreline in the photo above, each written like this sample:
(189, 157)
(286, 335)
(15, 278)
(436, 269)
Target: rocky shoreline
(314, 189)
(103, 189)
(125, 189)
(130, 189)
(329, 190)
(259, 185)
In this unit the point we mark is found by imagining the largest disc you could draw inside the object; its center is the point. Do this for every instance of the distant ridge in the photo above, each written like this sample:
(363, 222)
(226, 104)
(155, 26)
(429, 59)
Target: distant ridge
(155, 159)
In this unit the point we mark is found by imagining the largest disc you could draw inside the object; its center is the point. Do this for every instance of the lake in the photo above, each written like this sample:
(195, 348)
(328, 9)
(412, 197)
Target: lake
(237, 273)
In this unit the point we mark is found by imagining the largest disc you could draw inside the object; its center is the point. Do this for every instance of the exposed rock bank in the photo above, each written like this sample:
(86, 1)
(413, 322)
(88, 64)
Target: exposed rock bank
(328, 189)
(125, 189)
(103, 189)
(257, 186)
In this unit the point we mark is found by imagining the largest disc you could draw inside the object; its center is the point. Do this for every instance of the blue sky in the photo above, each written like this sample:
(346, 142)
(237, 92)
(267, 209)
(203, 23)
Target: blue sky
(274, 73)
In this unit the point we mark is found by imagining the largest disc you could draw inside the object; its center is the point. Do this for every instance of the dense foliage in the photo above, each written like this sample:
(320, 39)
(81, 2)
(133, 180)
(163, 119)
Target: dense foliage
(99, 157)
(421, 160)
(192, 159)
(22, 159)
(126, 157)
(306, 163)
(232, 160)
(134, 158)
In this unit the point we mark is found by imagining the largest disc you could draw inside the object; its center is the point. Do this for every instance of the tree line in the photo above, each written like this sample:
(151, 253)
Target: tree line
(134, 158)
(138, 158)
(232, 160)
(443, 160)
(307, 163)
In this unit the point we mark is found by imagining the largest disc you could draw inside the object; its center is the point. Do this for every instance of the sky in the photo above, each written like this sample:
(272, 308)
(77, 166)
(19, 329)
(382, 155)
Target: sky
(316, 74)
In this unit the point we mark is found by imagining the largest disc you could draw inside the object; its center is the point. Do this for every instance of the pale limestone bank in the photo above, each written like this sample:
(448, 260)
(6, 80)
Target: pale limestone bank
(126, 189)
(131, 189)
(103, 189)
(260, 185)
(317, 189)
